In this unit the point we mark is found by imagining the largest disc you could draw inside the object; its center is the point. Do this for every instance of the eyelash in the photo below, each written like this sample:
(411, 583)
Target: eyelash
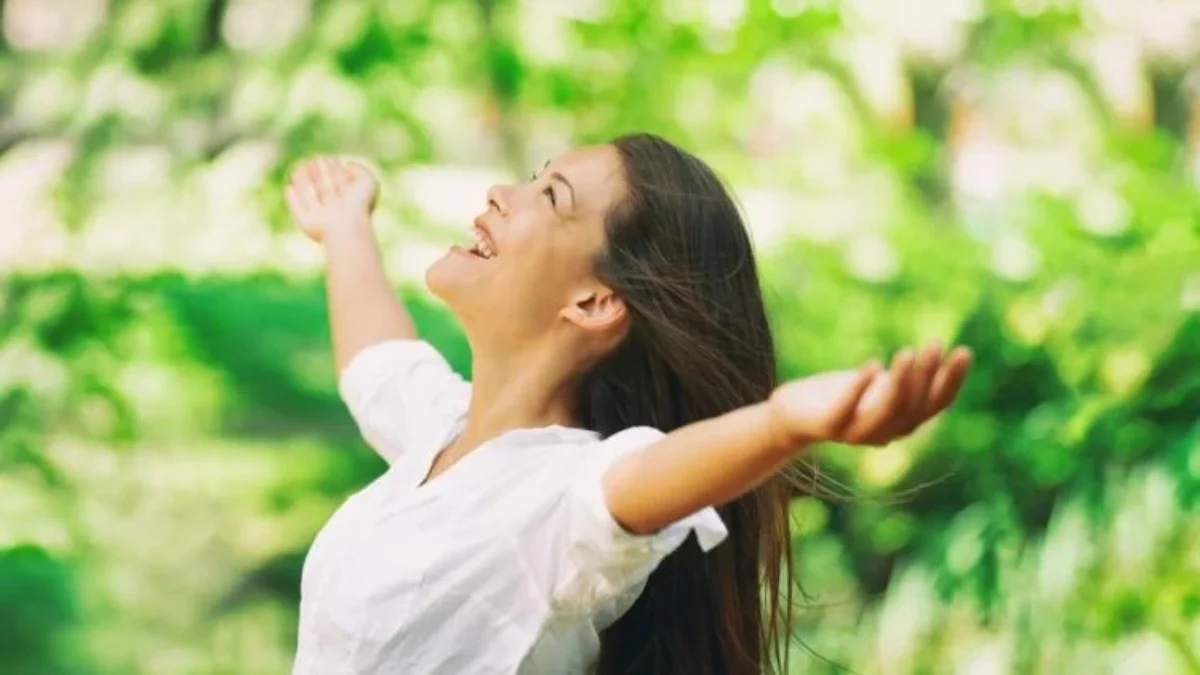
(549, 191)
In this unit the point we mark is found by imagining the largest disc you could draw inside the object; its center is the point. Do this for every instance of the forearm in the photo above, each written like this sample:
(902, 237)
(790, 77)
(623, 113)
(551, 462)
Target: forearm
(363, 307)
(708, 463)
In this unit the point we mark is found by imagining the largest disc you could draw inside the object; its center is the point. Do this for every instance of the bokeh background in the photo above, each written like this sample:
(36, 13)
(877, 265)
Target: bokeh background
(1018, 175)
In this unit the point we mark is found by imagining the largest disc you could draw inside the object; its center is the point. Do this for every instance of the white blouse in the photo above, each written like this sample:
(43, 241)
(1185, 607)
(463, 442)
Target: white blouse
(508, 562)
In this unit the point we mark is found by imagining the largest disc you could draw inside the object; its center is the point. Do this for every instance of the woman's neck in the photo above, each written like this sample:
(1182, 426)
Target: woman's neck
(522, 389)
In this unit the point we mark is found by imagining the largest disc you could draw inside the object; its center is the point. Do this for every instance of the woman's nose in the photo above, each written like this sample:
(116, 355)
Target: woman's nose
(497, 197)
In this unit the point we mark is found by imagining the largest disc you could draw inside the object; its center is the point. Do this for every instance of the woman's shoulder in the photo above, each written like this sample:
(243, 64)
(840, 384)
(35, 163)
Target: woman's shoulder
(572, 450)
(632, 438)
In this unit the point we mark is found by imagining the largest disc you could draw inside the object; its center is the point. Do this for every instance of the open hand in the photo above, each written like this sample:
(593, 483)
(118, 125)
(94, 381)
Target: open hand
(324, 192)
(870, 406)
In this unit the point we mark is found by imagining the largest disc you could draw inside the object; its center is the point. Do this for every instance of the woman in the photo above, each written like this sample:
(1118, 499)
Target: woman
(623, 397)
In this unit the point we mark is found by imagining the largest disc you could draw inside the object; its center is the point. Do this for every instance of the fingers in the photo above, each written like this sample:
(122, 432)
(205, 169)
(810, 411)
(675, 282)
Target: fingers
(915, 389)
(923, 374)
(329, 187)
(948, 382)
(311, 179)
(318, 181)
(301, 189)
(873, 424)
(362, 176)
(297, 201)
(842, 412)
(927, 367)
(356, 170)
(910, 399)
(300, 193)
(344, 174)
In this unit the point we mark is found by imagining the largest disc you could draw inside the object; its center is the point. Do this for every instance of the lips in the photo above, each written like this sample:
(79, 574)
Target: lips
(484, 245)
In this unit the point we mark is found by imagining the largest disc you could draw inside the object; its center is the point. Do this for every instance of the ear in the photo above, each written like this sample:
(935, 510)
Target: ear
(596, 308)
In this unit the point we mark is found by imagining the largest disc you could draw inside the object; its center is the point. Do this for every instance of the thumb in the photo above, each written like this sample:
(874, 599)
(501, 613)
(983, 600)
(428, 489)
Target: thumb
(358, 168)
(365, 177)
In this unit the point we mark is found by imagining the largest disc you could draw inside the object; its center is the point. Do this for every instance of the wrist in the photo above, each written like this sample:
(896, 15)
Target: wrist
(354, 227)
(780, 426)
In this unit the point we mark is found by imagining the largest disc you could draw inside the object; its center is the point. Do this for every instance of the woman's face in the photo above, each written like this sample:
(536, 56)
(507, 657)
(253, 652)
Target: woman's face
(538, 244)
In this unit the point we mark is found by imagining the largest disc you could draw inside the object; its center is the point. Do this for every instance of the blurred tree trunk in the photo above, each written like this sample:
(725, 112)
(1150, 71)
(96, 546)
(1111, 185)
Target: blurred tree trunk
(210, 36)
(504, 75)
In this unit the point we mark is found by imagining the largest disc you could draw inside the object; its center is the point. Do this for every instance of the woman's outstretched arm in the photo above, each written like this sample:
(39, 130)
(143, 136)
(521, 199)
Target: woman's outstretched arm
(715, 461)
(332, 202)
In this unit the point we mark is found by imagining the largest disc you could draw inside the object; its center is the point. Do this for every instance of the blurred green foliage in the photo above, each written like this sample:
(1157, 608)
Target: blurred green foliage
(170, 436)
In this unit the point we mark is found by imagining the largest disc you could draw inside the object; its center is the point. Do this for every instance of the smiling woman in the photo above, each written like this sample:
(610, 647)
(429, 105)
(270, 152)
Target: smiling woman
(536, 520)
(544, 234)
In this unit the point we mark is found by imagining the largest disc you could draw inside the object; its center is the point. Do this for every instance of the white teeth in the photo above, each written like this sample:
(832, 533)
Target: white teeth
(481, 244)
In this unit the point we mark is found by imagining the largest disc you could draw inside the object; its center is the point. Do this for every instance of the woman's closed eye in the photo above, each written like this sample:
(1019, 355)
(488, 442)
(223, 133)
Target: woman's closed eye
(548, 191)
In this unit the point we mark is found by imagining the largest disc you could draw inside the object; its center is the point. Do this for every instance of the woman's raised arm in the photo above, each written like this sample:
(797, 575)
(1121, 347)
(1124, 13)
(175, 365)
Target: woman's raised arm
(332, 202)
(399, 390)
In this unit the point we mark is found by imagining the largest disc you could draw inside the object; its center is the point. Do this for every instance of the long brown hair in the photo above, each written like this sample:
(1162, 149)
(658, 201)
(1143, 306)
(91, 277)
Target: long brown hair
(699, 345)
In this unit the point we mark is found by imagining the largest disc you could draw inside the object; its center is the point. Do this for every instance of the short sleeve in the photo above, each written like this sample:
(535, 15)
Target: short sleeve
(403, 394)
(606, 567)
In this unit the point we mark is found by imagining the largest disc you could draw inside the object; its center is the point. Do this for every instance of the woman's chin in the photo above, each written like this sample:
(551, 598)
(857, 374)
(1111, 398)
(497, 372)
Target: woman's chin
(452, 277)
